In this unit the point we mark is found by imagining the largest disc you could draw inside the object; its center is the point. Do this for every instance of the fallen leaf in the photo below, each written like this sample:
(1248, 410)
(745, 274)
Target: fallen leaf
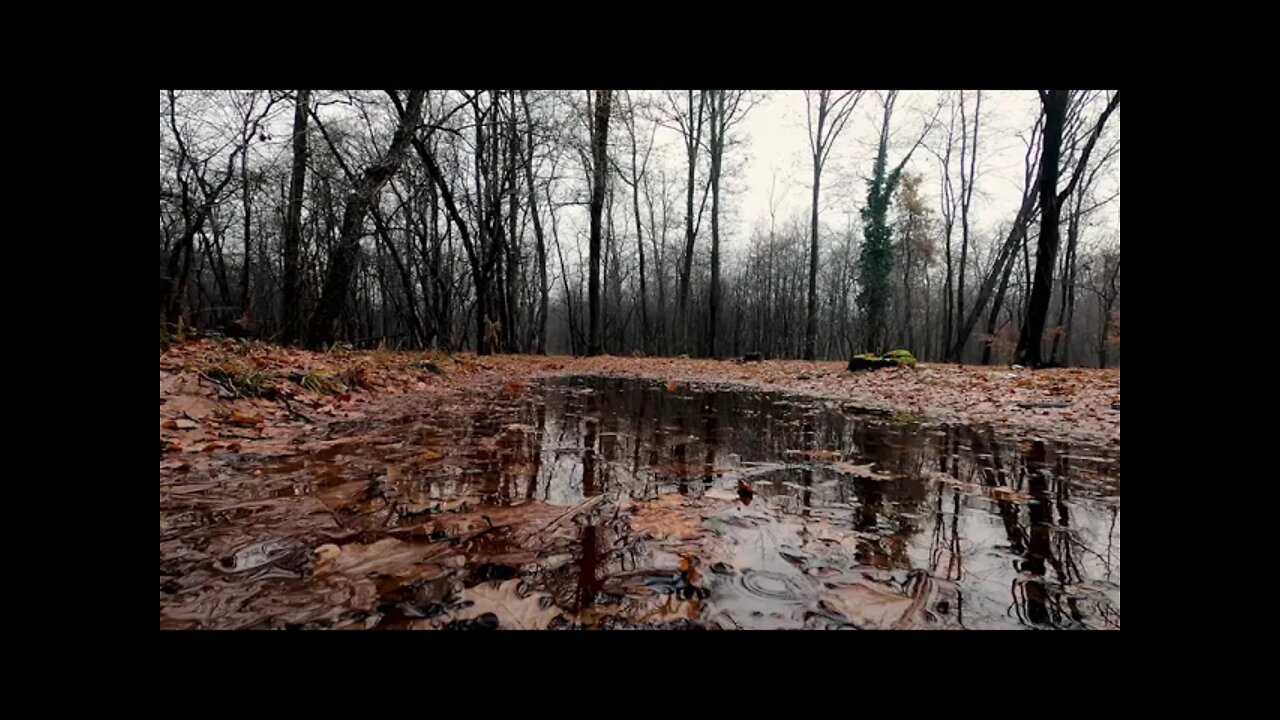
(185, 424)
(862, 471)
(815, 454)
(513, 611)
(387, 556)
(670, 516)
(869, 607)
(1002, 492)
(245, 419)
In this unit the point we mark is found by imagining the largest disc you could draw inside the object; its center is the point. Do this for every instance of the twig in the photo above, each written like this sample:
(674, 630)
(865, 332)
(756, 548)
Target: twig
(581, 507)
(285, 399)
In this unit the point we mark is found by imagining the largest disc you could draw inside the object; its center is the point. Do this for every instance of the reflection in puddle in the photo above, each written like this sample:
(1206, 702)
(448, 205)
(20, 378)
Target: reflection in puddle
(714, 508)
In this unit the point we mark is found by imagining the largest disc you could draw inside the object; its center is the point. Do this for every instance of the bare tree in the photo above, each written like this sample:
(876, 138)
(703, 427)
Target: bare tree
(1055, 107)
(832, 115)
(358, 202)
(727, 108)
(599, 159)
(293, 219)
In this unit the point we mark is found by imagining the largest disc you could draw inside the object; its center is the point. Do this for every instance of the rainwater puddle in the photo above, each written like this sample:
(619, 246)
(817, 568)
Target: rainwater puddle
(611, 503)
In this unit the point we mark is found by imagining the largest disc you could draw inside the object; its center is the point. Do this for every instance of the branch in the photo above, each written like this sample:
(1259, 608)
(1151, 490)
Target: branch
(1088, 148)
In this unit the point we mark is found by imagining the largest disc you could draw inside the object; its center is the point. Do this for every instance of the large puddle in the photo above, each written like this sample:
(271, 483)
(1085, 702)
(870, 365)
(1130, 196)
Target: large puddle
(609, 503)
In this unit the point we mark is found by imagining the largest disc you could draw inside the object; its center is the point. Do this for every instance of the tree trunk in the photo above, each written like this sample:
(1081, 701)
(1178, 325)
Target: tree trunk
(718, 127)
(544, 291)
(599, 157)
(1055, 105)
(321, 329)
(811, 322)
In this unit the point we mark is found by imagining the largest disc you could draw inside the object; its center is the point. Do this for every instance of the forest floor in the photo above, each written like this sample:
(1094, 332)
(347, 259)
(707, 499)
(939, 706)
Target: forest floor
(284, 494)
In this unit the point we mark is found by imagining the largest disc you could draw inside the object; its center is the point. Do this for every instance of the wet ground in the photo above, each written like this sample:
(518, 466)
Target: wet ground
(612, 503)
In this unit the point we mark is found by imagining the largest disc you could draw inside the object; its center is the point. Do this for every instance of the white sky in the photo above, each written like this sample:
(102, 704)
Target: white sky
(773, 147)
(775, 142)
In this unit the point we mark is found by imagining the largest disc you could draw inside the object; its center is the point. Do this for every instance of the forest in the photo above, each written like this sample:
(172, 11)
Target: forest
(587, 222)
(665, 360)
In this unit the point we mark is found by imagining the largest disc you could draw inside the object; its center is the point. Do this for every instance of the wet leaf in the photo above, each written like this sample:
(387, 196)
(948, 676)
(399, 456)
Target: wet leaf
(869, 606)
(862, 471)
(532, 612)
(387, 556)
(1003, 492)
(672, 386)
(815, 454)
(670, 516)
(245, 419)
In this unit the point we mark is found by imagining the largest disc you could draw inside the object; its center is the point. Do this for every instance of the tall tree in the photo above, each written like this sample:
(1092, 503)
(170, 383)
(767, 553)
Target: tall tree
(293, 219)
(968, 181)
(689, 119)
(876, 257)
(633, 178)
(363, 194)
(544, 291)
(832, 115)
(727, 108)
(599, 160)
(1055, 108)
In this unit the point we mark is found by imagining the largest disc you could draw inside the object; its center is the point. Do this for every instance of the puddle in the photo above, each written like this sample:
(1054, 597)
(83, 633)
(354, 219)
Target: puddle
(611, 503)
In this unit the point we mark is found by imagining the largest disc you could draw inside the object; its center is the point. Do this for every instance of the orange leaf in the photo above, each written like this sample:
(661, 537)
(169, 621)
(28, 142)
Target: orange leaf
(239, 418)
(672, 386)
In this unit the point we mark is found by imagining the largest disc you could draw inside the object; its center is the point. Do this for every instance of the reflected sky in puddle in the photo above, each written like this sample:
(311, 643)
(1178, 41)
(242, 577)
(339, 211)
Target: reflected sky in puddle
(1012, 533)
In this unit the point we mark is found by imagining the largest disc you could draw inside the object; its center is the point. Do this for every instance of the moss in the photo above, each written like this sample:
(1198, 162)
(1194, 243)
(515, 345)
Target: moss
(901, 357)
(870, 361)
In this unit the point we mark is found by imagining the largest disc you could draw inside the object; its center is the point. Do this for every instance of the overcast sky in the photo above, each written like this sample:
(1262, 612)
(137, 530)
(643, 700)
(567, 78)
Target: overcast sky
(776, 143)
(773, 152)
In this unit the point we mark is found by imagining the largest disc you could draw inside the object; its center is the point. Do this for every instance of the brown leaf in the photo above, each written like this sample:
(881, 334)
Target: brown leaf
(185, 424)
(670, 516)
(1003, 492)
(245, 419)
(672, 386)
(869, 606)
(862, 471)
(387, 556)
(428, 456)
(815, 454)
(514, 612)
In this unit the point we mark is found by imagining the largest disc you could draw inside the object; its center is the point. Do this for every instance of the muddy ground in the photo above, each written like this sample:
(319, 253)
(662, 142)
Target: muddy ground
(414, 490)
